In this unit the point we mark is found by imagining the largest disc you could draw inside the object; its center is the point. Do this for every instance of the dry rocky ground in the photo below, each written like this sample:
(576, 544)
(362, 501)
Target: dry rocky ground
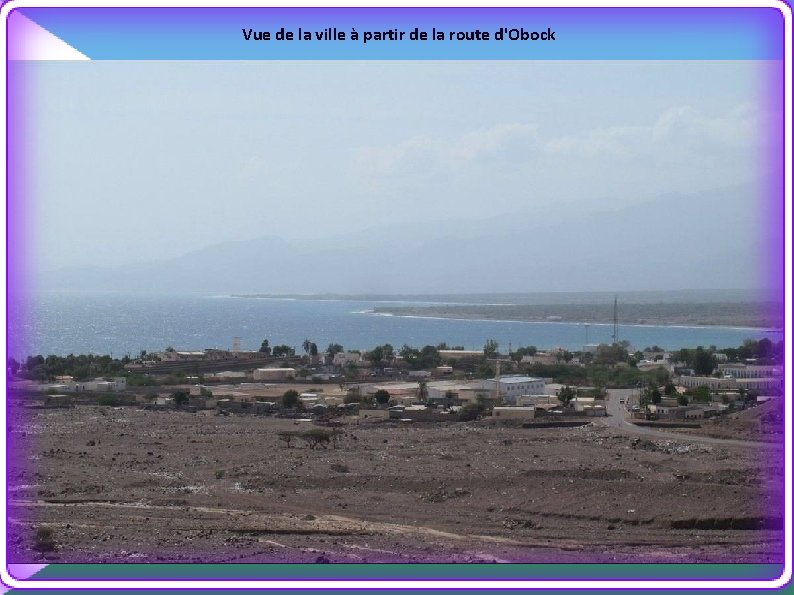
(92, 484)
(763, 423)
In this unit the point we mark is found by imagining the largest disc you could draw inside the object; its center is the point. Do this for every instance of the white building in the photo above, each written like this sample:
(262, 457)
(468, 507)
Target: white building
(749, 371)
(709, 381)
(510, 387)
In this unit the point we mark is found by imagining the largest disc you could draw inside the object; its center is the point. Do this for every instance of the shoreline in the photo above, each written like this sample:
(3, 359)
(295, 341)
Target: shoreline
(577, 323)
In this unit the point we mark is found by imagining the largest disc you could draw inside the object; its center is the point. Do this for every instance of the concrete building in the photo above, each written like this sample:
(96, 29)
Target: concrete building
(749, 370)
(541, 357)
(709, 381)
(729, 383)
(420, 374)
(452, 392)
(224, 376)
(510, 387)
(538, 401)
(343, 358)
(761, 384)
(179, 356)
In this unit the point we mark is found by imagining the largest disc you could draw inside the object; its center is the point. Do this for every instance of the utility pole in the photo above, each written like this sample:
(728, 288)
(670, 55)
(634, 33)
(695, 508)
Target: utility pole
(498, 379)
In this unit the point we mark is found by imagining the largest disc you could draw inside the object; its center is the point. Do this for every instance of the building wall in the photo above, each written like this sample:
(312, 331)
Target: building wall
(513, 413)
(748, 371)
(274, 373)
(712, 383)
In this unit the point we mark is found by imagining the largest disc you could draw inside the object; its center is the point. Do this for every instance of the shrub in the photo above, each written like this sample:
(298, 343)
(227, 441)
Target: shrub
(470, 412)
(44, 540)
(290, 399)
(317, 437)
(287, 437)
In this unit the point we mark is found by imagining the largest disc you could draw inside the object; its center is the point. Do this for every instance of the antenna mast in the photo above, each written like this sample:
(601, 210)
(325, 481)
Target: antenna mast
(615, 322)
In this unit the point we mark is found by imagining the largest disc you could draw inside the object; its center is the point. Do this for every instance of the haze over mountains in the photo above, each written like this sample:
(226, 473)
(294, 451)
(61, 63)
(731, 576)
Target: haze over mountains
(717, 239)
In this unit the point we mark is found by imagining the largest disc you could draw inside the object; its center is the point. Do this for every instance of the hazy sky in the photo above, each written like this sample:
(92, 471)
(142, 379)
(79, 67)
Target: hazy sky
(153, 159)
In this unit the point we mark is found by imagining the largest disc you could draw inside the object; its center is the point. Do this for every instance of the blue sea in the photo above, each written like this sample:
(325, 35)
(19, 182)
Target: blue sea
(124, 323)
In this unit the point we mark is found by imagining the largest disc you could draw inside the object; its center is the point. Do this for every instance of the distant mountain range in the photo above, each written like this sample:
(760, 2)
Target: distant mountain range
(706, 240)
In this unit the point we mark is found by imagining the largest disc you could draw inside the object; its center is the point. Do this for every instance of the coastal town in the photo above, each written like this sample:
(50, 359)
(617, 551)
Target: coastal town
(435, 383)
(423, 454)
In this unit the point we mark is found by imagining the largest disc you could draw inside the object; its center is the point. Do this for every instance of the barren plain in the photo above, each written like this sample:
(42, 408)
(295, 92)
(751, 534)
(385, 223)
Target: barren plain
(130, 485)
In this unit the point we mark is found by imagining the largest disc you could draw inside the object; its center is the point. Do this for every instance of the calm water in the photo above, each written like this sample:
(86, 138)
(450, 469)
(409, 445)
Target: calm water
(63, 323)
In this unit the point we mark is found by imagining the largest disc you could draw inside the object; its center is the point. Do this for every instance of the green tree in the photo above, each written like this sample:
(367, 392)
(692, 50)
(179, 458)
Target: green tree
(351, 371)
(471, 412)
(265, 348)
(382, 397)
(703, 362)
(682, 400)
(283, 351)
(566, 394)
(610, 355)
(381, 354)
(701, 394)
(317, 437)
(13, 366)
(655, 396)
(484, 370)
(491, 348)
(290, 399)
(354, 395)
(333, 349)
(180, 397)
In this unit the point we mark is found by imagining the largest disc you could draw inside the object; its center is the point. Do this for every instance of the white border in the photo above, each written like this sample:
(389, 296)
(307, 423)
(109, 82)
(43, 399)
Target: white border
(781, 581)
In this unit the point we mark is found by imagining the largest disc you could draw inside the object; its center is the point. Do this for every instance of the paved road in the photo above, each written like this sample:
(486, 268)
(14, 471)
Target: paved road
(618, 413)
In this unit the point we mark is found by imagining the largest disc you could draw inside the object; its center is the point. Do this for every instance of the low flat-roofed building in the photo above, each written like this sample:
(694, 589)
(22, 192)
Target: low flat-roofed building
(509, 387)
(455, 392)
(760, 384)
(343, 358)
(738, 370)
(710, 381)
(419, 374)
(580, 403)
(539, 401)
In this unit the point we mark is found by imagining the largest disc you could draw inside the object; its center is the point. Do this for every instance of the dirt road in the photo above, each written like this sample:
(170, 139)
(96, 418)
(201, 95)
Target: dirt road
(618, 417)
